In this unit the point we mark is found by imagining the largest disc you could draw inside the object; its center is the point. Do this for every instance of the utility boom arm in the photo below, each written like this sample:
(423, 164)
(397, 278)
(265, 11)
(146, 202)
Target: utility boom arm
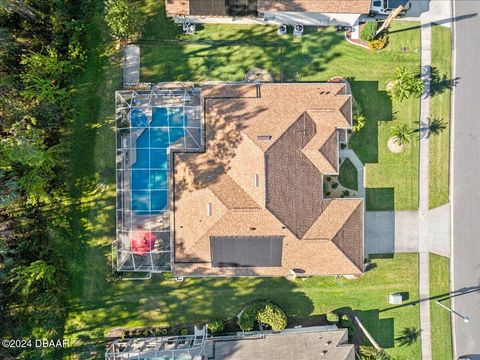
(389, 19)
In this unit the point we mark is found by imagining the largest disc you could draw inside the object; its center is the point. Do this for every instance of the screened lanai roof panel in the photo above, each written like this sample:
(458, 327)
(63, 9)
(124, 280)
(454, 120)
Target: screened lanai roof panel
(149, 124)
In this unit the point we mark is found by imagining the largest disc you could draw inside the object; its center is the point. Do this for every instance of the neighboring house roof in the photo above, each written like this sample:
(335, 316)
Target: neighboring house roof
(177, 7)
(314, 342)
(321, 6)
(261, 175)
(182, 7)
(306, 344)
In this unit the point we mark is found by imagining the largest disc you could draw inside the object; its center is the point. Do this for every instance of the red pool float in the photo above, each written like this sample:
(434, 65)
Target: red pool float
(142, 241)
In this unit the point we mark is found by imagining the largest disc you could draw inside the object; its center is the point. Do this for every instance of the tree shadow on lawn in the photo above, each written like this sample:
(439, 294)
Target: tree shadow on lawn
(380, 199)
(382, 330)
(162, 301)
(376, 105)
(303, 57)
(217, 60)
(440, 83)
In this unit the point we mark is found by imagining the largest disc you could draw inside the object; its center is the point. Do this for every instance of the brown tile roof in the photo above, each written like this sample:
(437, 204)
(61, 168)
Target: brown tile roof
(177, 7)
(268, 147)
(322, 6)
(182, 7)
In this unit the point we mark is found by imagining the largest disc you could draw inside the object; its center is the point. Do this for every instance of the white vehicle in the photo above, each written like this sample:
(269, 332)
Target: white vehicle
(385, 7)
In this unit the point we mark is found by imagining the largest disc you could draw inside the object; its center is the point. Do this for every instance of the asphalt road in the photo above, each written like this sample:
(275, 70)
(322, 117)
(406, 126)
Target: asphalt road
(466, 178)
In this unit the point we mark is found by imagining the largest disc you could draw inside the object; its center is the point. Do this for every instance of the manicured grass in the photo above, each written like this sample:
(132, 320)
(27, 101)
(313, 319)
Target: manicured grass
(440, 322)
(348, 175)
(440, 111)
(163, 302)
(391, 179)
(97, 305)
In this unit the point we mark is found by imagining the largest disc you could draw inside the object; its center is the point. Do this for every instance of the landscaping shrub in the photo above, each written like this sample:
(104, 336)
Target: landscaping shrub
(274, 316)
(334, 185)
(345, 321)
(325, 187)
(368, 31)
(327, 193)
(264, 312)
(329, 178)
(216, 326)
(359, 121)
(371, 353)
(346, 192)
(378, 43)
(332, 317)
(184, 332)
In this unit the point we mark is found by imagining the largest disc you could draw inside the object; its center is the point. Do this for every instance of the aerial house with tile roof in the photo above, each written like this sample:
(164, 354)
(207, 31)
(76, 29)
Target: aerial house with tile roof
(306, 12)
(252, 203)
(227, 180)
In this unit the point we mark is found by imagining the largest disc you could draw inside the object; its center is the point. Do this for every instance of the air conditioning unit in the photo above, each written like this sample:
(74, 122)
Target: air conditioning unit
(189, 28)
(298, 30)
(282, 30)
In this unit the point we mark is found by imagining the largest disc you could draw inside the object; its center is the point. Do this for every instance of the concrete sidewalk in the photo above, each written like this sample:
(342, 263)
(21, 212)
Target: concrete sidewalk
(131, 69)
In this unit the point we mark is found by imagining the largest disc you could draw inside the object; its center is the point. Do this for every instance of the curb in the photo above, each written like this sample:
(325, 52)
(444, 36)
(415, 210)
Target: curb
(451, 177)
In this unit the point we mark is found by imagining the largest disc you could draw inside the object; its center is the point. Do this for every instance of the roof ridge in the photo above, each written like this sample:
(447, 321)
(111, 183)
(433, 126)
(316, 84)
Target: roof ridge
(338, 232)
(324, 211)
(346, 256)
(208, 229)
(349, 216)
(323, 150)
(237, 188)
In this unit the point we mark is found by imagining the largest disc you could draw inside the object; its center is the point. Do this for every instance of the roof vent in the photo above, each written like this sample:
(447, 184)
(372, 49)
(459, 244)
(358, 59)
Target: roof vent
(264, 137)
(209, 209)
(256, 180)
(253, 228)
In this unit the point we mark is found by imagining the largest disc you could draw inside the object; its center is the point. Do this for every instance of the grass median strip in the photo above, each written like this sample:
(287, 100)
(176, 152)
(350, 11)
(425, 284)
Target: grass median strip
(440, 113)
(440, 322)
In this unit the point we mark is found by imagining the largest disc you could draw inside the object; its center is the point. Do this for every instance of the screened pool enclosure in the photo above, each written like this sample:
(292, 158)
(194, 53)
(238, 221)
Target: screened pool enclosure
(150, 125)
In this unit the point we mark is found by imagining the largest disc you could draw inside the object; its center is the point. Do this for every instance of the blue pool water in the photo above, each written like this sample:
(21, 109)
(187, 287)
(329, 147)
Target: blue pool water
(149, 178)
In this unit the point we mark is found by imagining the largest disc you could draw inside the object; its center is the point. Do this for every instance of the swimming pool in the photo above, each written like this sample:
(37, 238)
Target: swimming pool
(151, 139)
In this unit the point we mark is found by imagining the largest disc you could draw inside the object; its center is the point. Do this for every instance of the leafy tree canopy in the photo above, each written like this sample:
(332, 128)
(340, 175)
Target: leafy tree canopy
(122, 18)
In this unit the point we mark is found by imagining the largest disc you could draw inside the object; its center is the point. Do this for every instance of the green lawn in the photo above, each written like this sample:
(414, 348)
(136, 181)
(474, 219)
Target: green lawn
(163, 302)
(96, 305)
(440, 322)
(348, 175)
(440, 111)
(227, 52)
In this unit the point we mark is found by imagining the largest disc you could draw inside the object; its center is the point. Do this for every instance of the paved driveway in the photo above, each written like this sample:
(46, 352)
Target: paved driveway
(397, 231)
(391, 231)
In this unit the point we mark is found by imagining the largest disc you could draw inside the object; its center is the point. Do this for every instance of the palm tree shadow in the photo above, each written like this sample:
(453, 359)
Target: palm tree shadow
(433, 126)
(409, 336)
(440, 83)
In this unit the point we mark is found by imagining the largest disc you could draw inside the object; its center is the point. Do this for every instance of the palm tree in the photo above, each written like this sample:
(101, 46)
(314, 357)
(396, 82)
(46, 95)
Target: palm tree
(402, 134)
(405, 84)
